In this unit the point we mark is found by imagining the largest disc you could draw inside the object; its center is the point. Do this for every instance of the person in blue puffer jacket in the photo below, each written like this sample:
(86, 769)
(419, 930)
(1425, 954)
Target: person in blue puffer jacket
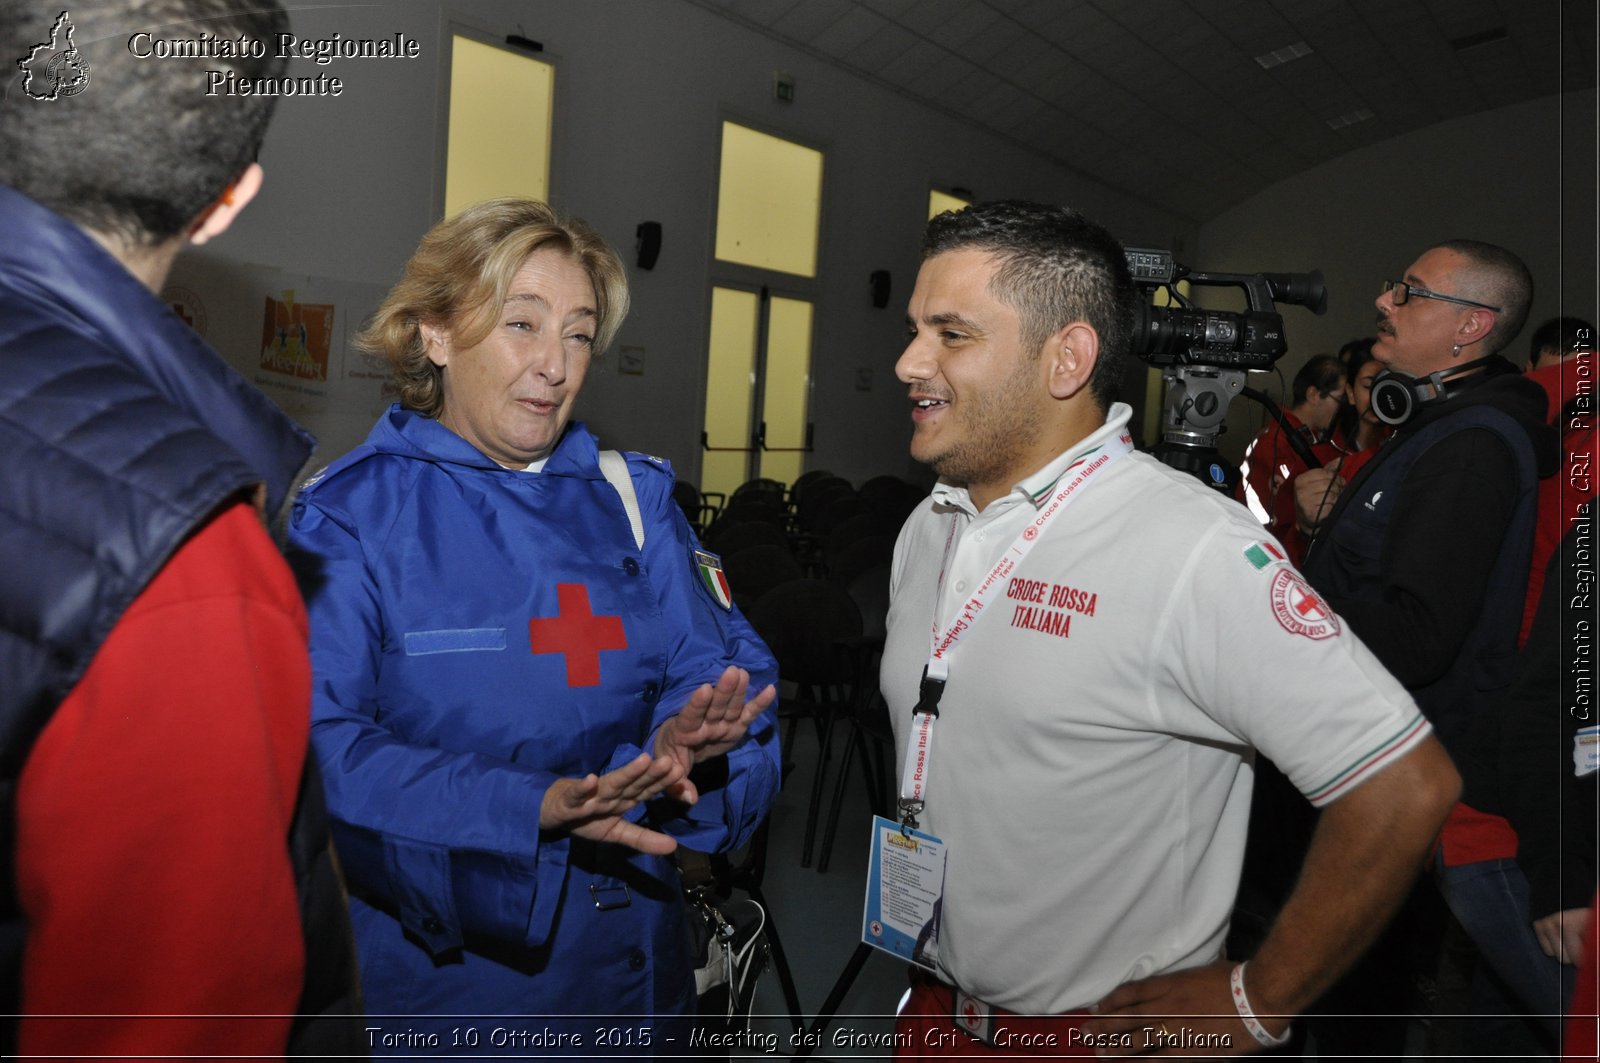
(520, 708)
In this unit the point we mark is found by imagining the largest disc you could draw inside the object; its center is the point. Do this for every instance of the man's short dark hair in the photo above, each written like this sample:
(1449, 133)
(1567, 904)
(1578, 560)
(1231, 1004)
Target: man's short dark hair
(141, 151)
(1562, 335)
(1054, 267)
(1322, 373)
(1499, 278)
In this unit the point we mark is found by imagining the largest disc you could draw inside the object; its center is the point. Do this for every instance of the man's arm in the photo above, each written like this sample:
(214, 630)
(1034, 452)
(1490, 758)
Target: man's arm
(1367, 849)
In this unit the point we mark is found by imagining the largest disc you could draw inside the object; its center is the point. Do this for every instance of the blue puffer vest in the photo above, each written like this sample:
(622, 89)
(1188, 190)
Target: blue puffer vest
(1348, 563)
(120, 432)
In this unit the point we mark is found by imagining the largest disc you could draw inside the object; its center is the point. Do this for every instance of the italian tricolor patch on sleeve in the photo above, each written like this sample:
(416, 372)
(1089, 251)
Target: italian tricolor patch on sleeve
(1260, 555)
(715, 580)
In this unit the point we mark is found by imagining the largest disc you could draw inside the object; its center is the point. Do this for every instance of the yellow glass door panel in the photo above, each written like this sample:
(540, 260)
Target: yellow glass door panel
(758, 372)
(786, 389)
(730, 387)
(500, 114)
(769, 201)
(939, 202)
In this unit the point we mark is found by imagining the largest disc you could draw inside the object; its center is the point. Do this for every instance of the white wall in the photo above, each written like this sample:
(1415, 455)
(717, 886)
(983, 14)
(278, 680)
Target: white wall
(641, 89)
(1522, 177)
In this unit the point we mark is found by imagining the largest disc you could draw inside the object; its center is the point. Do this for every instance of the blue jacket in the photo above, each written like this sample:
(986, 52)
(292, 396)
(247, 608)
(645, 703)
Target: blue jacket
(1425, 553)
(121, 433)
(477, 633)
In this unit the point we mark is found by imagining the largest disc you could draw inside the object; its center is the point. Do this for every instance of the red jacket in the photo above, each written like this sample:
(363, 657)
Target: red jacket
(1271, 465)
(1583, 1015)
(1571, 381)
(152, 815)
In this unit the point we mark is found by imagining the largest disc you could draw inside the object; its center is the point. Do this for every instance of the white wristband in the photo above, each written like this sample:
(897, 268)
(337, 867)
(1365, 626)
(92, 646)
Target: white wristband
(1241, 1003)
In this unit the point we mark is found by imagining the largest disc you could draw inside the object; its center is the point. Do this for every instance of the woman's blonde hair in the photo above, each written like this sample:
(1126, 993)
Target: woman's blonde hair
(458, 278)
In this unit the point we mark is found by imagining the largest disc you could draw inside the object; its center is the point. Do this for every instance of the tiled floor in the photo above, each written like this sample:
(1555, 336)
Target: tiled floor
(818, 916)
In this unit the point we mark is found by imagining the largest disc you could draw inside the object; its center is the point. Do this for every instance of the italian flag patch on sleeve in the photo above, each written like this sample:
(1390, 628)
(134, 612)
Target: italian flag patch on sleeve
(714, 579)
(1260, 555)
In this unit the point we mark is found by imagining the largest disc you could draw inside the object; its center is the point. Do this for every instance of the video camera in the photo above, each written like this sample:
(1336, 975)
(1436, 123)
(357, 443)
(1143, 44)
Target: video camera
(1205, 354)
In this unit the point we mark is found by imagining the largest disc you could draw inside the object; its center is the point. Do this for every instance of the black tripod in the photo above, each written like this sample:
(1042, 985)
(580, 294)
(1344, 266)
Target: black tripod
(1197, 404)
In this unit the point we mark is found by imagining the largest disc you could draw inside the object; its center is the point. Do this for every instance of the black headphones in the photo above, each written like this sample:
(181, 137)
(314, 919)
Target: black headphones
(1396, 397)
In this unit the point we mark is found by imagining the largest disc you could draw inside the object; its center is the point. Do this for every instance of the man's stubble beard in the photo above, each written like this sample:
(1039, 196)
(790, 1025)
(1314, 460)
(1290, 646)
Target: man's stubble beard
(1001, 425)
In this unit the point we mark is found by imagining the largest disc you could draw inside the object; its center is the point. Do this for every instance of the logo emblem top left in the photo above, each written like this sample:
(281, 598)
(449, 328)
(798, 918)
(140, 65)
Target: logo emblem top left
(54, 68)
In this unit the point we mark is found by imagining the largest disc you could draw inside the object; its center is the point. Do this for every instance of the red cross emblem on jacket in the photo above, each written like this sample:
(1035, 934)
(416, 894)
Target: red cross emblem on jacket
(576, 633)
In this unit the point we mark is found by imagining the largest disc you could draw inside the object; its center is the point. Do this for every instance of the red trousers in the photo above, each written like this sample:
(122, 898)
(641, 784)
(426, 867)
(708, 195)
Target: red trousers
(926, 1029)
(1583, 1017)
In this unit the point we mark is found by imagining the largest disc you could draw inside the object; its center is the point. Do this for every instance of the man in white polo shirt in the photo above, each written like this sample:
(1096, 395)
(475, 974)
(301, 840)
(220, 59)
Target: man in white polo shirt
(1095, 645)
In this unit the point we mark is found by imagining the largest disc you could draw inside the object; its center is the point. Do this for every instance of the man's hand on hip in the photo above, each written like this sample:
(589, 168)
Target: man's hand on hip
(1185, 1013)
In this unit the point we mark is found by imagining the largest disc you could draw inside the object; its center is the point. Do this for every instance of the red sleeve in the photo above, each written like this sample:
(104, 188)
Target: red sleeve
(1258, 467)
(1583, 1017)
(153, 816)
(1273, 465)
(1561, 497)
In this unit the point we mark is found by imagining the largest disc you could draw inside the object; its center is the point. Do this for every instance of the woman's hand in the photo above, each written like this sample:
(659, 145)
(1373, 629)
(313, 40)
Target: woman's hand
(592, 807)
(713, 721)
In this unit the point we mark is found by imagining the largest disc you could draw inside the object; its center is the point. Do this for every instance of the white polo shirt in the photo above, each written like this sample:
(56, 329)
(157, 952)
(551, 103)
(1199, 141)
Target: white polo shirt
(1090, 772)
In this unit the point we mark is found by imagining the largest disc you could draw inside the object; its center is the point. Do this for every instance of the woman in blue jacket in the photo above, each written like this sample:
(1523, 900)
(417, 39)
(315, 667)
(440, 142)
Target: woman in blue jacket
(522, 704)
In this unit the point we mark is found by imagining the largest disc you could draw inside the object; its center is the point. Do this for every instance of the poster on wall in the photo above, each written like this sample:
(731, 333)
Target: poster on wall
(297, 339)
(277, 329)
(290, 335)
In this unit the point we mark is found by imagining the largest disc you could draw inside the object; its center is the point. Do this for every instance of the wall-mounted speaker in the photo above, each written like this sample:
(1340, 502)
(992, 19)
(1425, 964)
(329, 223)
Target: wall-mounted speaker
(880, 288)
(648, 245)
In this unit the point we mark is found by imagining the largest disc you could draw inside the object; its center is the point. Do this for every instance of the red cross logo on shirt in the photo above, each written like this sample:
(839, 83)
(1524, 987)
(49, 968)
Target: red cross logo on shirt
(577, 634)
(1299, 609)
(1310, 607)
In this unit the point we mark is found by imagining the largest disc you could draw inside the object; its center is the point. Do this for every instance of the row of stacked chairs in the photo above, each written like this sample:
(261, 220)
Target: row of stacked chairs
(808, 564)
(820, 527)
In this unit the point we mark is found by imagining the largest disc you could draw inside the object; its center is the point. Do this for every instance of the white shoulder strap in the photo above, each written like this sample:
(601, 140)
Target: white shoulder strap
(615, 466)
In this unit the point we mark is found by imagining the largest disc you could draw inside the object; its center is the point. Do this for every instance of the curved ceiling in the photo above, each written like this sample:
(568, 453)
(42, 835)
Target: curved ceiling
(1195, 105)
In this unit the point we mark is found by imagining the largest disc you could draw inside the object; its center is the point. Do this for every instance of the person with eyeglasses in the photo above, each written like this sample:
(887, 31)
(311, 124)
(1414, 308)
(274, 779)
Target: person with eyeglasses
(1425, 551)
(1271, 464)
(1357, 432)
